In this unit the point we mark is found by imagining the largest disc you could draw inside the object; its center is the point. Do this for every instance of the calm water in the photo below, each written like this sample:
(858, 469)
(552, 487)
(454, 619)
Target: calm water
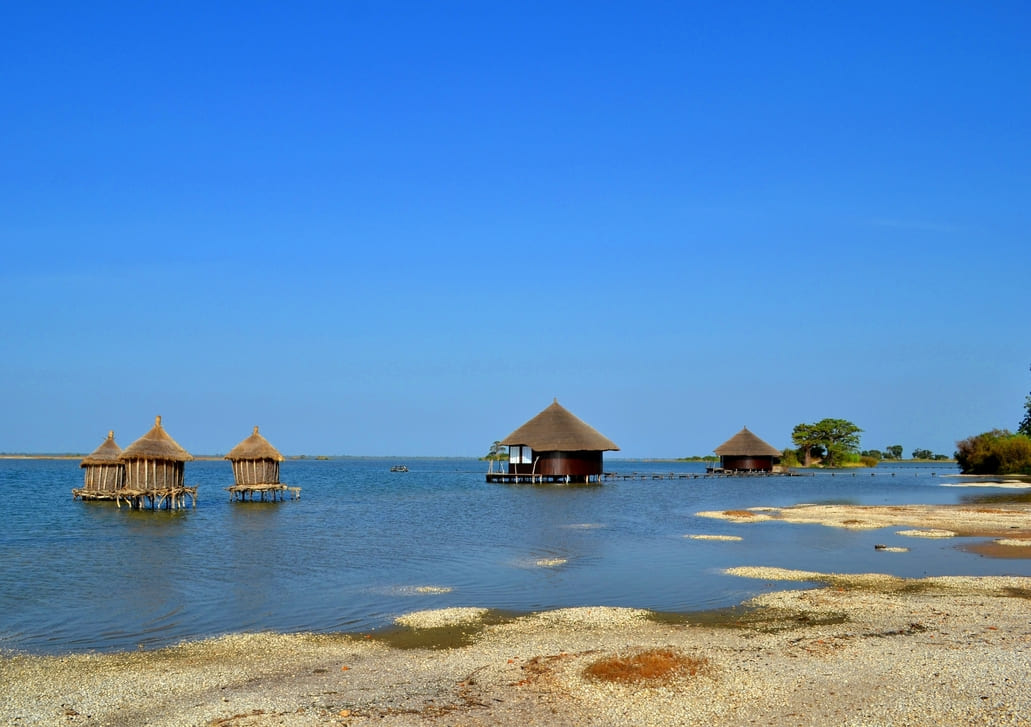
(353, 552)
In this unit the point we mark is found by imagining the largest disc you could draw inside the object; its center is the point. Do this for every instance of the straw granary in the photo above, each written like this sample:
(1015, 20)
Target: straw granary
(255, 461)
(256, 469)
(745, 452)
(556, 446)
(154, 469)
(104, 471)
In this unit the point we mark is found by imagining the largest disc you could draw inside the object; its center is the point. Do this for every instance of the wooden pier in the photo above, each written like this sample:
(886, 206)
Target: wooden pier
(537, 479)
(271, 492)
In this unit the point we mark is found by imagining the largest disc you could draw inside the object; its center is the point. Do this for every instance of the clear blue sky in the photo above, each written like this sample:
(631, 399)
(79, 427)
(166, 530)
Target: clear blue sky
(405, 227)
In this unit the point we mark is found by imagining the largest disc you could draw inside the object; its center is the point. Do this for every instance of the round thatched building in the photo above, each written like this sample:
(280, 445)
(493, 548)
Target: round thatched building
(154, 468)
(745, 452)
(256, 470)
(105, 472)
(255, 461)
(555, 446)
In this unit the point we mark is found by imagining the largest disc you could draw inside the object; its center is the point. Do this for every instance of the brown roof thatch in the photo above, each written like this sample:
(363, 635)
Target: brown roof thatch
(557, 430)
(107, 453)
(254, 447)
(744, 444)
(156, 444)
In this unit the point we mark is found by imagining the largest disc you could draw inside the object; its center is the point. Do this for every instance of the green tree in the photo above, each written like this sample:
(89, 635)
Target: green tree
(1025, 424)
(893, 452)
(835, 438)
(497, 450)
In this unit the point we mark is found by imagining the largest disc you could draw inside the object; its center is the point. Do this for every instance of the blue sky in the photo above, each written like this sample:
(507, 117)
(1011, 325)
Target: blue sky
(403, 228)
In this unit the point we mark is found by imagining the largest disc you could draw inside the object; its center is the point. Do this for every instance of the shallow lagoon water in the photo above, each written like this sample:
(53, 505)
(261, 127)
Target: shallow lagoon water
(364, 545)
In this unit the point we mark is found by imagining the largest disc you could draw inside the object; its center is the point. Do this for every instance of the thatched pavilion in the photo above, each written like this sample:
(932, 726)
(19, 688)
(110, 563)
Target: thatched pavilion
(554, 446)
(745, 452)
(154, 469)
(104, 473)
(256, 469)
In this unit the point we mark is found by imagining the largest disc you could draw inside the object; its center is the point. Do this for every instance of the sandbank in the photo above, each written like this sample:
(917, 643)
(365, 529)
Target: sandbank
(995, 520)
(864, 649)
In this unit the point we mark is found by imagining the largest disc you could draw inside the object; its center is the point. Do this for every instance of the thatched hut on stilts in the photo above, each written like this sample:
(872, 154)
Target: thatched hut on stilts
(745, 452)
(256, 470)
(554, 446)
(154, 468)
(104, 474)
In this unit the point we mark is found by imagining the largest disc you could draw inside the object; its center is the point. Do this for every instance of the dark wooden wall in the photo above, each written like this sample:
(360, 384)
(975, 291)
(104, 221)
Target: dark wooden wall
(575, 464)
(745, 462)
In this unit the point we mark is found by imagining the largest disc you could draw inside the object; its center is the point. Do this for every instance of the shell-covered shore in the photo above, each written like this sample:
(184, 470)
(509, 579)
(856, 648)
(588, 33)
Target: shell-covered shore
(863, 650)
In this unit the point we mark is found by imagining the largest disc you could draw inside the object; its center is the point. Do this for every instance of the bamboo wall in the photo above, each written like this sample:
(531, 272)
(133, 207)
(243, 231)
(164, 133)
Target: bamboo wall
(256, 471)
(150, 474)
(104, 477)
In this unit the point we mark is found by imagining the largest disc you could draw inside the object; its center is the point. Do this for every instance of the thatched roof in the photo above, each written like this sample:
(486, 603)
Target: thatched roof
(107, 453)
(156, 444)
(254, 447)
(744, 444)
(557, 430)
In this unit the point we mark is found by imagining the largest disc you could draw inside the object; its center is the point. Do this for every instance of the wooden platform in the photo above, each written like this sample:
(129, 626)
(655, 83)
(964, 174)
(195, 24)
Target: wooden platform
(172, 498)
(81, 493)
(514, 479)
(272, 492)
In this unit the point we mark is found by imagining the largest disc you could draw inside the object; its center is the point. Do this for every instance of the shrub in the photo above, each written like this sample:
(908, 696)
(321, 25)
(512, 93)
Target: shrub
(789, 458)
(997, 452)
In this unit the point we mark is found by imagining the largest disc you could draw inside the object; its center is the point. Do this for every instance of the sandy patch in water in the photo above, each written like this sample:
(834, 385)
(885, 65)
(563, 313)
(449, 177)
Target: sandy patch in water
(1014, 542)
(995, 521)
(596, 616)
(927, 533)
(728, 538)
(550, 562)
(420, 590)
(440, 618)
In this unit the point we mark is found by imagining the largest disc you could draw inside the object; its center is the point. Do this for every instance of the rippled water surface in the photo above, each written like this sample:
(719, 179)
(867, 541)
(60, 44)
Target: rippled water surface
(364, 545)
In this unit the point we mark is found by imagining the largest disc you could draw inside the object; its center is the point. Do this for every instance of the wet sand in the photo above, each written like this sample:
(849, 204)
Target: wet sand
(863, 650)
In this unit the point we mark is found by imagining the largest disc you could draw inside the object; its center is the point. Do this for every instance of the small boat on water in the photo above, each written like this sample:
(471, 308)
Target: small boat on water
(399, 468)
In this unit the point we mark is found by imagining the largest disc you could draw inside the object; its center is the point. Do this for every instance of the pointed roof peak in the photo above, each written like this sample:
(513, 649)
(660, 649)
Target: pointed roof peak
(107, 453)
(156, 444)
(254, 447)
(746, 443)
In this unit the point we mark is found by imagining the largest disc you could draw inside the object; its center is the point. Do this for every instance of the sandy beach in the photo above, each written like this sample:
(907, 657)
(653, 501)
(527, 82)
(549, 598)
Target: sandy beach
(856, 649)
(863, 651)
